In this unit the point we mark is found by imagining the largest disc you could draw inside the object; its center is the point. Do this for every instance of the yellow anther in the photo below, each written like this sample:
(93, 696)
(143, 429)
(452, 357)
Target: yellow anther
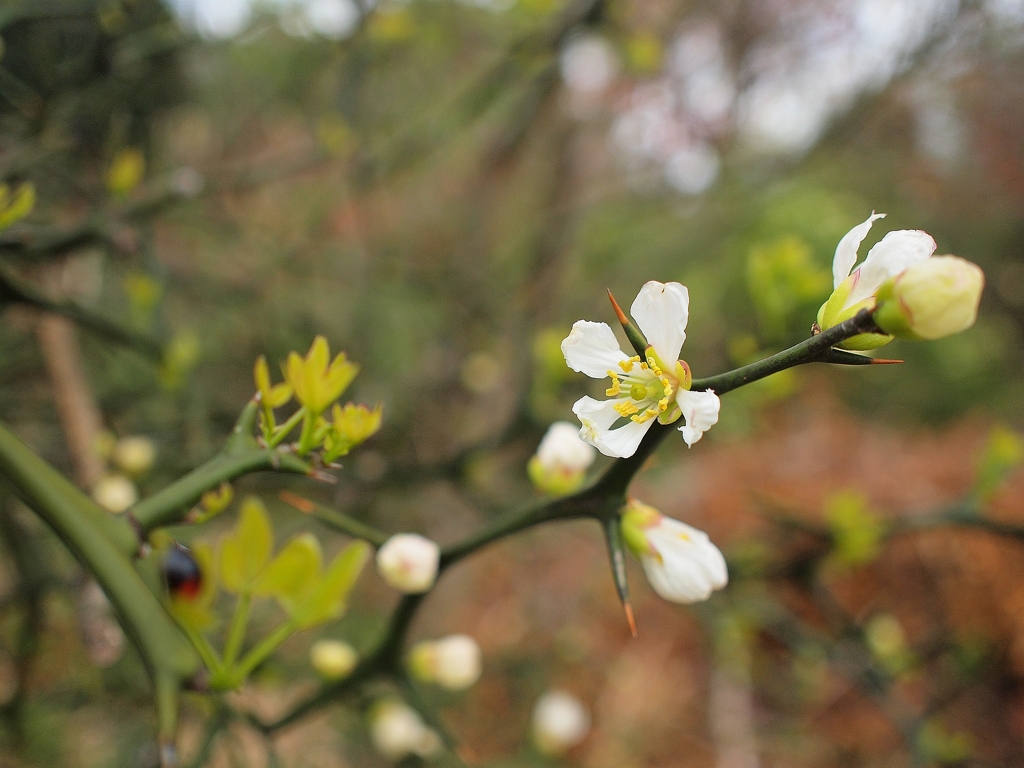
(613, 390)
(627, 365)
(625, 408)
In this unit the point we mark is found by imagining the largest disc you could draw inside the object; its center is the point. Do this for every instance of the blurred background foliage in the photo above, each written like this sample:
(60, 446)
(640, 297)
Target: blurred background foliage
(441, 189)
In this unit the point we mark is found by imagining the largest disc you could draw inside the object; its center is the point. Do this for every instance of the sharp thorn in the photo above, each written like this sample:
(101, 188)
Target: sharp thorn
(884, 361)
(618, 310)
(305, 506)
(629, 617)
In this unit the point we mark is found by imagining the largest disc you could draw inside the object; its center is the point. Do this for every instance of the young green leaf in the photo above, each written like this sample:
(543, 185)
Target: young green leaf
(245, 551)
(327, 600)
(292, 575)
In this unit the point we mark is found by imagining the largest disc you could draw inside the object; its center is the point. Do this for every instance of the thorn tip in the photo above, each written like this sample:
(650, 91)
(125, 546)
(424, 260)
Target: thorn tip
(618, 310)
(303, 505)
(629, 617)
(884, 361)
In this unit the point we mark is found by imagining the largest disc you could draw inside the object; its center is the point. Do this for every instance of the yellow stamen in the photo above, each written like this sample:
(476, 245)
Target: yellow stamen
(627, 365)
(625, 408)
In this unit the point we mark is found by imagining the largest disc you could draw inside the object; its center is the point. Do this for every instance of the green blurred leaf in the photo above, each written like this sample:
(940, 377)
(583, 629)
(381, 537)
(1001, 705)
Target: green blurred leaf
(291, 575)
(1003, 453)
(856, 531)
(245, 551)
(327, 600)
(14, 207)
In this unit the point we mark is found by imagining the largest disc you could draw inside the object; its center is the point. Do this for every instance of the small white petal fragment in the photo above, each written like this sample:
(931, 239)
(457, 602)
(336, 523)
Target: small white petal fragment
(560, 722)
(889, 257)
(333, 659)
(453, 662)
(662, 311)
(846, 251)
(592, 349)
(700, 413)
(408, 562)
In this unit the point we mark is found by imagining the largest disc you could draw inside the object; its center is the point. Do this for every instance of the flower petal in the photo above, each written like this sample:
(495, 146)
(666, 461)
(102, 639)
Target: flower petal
(846, 251)
(700, 412)
(888, 258)
(592, 349)
(661, 310)
(687, 566)
(597, 416)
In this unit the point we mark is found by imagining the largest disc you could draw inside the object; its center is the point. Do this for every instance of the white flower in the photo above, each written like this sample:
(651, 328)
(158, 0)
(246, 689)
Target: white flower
(134, 454)
(681, 563)
(397, 730)
(560, 722)
(408, 562)
(641, 390)
(931, 299)
(855, 289)
(115, 493)
(333, 659)
(452, 662)
(562, 459)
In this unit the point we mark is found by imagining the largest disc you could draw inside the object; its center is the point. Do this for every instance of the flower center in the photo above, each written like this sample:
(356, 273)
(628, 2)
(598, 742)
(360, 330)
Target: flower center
(643, 389)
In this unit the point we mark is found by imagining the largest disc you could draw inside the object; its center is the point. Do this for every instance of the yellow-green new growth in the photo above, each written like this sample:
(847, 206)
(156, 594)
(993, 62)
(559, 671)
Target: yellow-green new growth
(316, 380)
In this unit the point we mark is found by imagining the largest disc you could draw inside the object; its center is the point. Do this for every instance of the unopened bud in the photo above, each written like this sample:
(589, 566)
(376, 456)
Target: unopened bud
(408, 562)
(560, 722)
(115, 493)
(562, 459)
(397, 731)
(134, 454)
(333, 659)
(452, 662)
(931, 299)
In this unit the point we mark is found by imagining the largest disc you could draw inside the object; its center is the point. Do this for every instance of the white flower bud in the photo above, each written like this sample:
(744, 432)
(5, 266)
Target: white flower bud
(560, 722)
(681, 563)
(333, 659)
(134, 455)
(408, 562)
(452, 662)
(397, 730)
(115, 493)
(562, 459)
(931, 299)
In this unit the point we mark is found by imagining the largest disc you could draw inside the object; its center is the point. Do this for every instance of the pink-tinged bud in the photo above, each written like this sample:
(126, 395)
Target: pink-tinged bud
(931, 299)
(408, 562)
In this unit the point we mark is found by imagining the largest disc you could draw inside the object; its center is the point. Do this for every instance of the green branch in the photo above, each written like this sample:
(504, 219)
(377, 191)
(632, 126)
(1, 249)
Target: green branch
(93, 536)
(241, 455)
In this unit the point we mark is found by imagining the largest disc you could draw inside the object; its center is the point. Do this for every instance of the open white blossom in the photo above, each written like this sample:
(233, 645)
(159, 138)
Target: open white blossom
(642, 390)
(453, 662)
(560, 722)
(681, 562)
(408, 562)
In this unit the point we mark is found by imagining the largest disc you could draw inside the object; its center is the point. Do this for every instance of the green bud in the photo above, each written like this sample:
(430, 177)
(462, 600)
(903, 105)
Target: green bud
(932, 299)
